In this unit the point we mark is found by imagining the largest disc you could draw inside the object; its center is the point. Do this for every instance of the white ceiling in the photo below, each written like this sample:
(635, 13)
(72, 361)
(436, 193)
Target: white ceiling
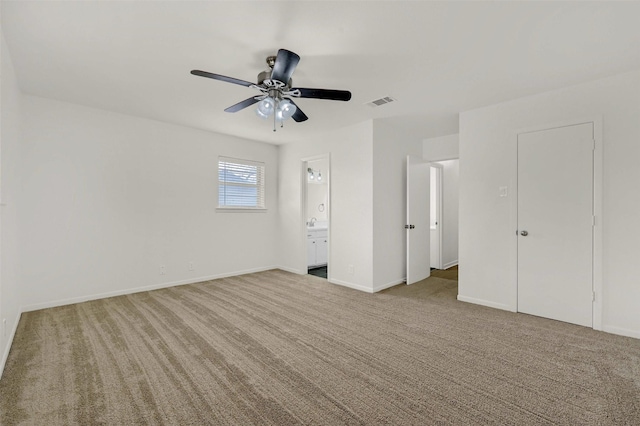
(436, 58)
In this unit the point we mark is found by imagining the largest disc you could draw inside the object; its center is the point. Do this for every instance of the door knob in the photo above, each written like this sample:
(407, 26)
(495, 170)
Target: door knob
(524, 233)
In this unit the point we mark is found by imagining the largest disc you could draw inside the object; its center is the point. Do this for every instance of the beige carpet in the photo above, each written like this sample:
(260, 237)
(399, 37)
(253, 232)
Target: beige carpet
(449, 274)
(281, 349)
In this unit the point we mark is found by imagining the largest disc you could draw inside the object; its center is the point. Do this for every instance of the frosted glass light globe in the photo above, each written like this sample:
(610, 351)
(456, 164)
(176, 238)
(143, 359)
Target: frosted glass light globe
(265, 108)
(285, 109)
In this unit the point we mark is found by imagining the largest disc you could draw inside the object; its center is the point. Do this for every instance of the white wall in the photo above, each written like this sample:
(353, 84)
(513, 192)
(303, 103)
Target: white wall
(351, 193)
(10, 104)
(368, 202)
(488, 156)
(441, 148)
(108, 198)
(450, 196)
(391, 145)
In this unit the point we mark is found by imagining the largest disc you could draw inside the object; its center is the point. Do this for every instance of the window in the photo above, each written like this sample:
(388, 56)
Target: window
(240, 184)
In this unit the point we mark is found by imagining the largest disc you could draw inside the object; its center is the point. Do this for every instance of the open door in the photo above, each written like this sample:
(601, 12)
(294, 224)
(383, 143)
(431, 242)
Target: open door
(417, 227)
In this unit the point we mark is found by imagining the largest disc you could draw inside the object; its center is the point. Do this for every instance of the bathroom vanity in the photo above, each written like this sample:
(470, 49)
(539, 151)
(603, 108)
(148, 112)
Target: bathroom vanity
(316, 246)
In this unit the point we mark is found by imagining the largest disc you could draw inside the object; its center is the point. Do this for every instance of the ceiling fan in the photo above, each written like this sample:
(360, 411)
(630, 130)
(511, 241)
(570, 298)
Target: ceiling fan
(277, 91)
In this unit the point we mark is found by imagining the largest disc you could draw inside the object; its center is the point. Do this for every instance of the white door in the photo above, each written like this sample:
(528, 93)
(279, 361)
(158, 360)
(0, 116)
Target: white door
(555, 223)
(417, 227)
(435, 222)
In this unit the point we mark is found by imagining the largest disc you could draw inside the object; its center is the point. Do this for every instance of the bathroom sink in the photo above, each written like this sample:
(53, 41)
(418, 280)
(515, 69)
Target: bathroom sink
(321, 224)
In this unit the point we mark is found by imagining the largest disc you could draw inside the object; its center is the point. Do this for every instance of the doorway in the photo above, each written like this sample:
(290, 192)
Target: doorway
(316, 175)
(432, 207)
(435, 215)
(444, 193)
(555, 223)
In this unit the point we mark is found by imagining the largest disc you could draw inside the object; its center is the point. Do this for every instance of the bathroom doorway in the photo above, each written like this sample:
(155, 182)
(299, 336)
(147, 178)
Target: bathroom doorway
(316, 212)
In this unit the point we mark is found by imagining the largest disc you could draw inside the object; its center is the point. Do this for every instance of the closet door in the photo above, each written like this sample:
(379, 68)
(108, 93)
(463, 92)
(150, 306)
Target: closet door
(555, 223)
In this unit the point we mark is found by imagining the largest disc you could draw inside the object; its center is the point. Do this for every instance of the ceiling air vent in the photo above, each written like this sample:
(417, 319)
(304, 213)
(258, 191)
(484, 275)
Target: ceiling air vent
(381, 101)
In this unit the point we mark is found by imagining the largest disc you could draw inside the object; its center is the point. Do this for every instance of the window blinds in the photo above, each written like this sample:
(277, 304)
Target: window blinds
(240, 184)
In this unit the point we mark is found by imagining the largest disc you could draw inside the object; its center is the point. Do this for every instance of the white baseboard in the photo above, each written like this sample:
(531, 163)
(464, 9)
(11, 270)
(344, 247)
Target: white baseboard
(292, 270)
(352, 285)
(487, 303)
(348, 284)
(70, 301)
(622, 331)
(388, 285)
(5, 354)
(450, 264)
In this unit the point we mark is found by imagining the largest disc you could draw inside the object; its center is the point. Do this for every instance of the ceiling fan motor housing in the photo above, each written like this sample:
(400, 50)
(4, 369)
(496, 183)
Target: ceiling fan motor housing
(266, 75)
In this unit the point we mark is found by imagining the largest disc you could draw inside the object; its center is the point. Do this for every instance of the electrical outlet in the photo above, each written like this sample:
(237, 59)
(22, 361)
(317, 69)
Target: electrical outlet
(163, 270)
(350, 270)
(192, 266)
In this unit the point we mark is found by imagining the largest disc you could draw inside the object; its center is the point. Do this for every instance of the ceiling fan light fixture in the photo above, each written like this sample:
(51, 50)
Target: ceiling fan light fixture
(285, 110)
(276, 90)
(260, 114)
(265, 107)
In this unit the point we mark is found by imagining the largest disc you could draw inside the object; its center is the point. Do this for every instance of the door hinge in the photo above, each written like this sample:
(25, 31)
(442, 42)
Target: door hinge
(594, 296)
(593, 221)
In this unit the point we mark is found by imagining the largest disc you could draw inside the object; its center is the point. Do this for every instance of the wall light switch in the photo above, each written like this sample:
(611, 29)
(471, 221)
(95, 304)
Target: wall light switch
(503, 191)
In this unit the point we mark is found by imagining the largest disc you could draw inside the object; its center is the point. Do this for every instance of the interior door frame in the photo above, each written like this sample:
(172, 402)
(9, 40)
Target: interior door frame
(597, 211)
(303, 208)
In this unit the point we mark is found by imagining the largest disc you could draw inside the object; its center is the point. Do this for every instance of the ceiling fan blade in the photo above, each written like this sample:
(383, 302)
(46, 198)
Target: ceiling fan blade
(242, 105)
(298, 116)
(334, 95)
(286, 63)
(221, 78)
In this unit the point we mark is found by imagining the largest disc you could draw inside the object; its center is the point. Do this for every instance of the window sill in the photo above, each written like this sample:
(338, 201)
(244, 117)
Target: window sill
(239, 210)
